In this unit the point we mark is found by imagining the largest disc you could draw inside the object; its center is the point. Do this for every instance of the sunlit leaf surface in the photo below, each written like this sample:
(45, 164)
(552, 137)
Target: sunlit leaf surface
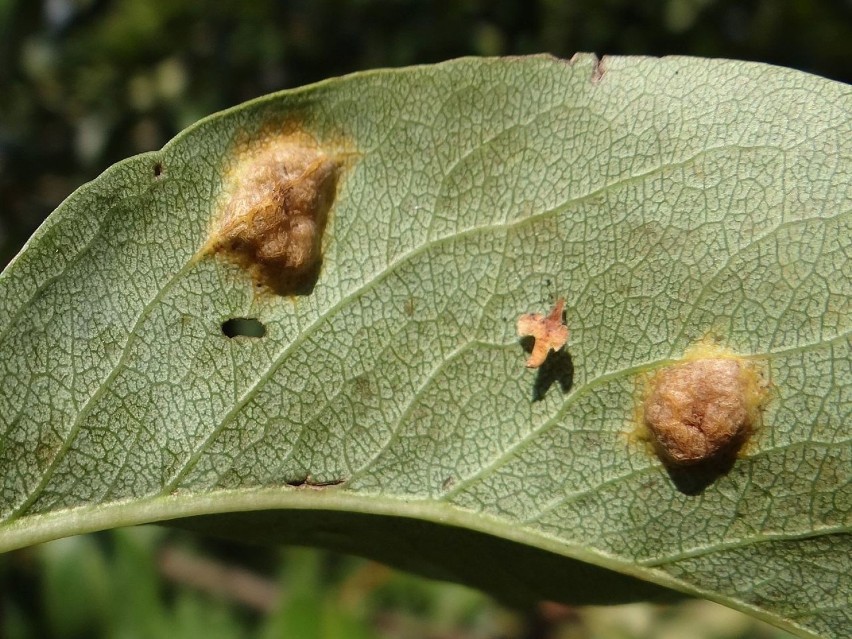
(384, 406)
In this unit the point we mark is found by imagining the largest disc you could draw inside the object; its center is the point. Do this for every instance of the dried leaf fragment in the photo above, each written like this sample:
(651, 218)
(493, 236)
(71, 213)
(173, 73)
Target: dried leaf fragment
(549, 331)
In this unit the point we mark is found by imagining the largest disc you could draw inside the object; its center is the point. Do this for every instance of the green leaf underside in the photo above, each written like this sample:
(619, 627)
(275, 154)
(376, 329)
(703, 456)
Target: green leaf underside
(665, 200)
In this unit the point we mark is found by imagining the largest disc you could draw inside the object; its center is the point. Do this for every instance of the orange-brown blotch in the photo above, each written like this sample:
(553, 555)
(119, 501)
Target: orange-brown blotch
(704, 407)
(278, 199)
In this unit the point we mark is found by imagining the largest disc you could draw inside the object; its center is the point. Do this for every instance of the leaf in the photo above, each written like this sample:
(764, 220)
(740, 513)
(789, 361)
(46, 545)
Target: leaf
(386, 408)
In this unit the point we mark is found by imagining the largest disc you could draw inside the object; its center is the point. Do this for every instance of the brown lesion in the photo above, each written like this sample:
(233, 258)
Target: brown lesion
(278, 199)
(703, 408)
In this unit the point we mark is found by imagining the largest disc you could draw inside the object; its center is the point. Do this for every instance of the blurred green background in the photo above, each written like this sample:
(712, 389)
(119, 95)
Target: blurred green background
(85, 83)
(151, 582)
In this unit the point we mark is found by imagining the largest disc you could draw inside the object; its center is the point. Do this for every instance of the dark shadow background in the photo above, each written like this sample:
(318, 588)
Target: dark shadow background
(85, 83)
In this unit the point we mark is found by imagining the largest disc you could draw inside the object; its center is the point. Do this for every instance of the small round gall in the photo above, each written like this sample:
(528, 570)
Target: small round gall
(703, 409)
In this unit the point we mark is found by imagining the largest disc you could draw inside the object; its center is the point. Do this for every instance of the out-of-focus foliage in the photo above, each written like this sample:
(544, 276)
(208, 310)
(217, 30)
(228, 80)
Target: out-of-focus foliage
(85, 83)
(148, 582)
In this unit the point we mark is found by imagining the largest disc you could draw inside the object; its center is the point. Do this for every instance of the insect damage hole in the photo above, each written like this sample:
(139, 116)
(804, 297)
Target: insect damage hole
(703, 408)
(243, 327)
(278, 198)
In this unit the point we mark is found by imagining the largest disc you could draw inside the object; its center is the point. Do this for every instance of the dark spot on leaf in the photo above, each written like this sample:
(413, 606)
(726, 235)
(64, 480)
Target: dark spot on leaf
(158, 169)
(243, 327)
(47, 450)
(322, 484)
(306, 481)
(408, 307)
(362, 387)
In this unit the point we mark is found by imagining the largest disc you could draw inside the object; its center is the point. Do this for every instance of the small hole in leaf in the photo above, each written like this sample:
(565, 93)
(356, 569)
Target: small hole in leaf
(243, 327)
(158, 169)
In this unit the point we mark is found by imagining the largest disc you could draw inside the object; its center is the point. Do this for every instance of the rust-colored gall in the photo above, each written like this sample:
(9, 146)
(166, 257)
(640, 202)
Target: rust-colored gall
(703, 408)
(278, 198)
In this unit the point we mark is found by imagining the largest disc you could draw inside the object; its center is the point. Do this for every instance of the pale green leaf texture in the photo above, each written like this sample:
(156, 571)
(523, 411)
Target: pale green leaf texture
(666, 200)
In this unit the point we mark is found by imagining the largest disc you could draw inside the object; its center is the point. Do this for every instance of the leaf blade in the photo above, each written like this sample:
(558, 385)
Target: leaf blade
(665, 199)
